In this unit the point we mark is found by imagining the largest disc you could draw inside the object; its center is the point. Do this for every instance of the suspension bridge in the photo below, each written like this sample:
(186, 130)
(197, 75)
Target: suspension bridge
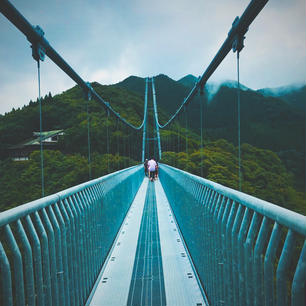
(122, 240)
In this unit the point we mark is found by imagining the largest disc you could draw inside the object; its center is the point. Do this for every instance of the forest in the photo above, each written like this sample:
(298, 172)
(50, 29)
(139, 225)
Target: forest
(272, 137)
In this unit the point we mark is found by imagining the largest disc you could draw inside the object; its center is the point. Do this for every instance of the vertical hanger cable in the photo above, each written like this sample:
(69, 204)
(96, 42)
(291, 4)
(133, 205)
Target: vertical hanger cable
(238, 113)
(40, 133)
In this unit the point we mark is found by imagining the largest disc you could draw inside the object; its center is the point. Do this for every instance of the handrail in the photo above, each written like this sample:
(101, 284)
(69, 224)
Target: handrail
(36, 37)
(246, 250)
(52, 249)
(237, 32)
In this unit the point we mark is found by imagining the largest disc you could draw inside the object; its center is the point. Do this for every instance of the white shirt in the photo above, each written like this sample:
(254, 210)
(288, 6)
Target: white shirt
(151, 165)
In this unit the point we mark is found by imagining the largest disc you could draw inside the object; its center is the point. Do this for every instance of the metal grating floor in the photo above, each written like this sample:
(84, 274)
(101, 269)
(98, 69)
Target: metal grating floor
(147, 284)
(148, 264)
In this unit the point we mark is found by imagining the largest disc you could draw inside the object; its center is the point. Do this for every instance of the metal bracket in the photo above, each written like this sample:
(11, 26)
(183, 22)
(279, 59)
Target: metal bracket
(89, 91)
(237, 44)
(38, 51)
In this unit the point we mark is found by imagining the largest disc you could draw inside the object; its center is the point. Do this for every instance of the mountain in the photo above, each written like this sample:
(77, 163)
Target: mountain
(188, 80)
(295, 95)
(279, 91)
(67, 111)
(270, 122)
(134, 84)
(267, 123)
(169, 94)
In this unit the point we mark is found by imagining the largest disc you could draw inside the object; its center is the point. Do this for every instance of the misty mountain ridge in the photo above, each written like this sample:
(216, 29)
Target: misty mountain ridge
(281, 90)
(293, 93)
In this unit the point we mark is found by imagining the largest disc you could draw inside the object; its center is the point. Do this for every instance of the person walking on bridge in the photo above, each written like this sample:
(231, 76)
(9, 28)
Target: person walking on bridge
(152, 168)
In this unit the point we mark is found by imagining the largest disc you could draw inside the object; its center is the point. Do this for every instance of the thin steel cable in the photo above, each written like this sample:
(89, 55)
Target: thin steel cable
(186, 133)
(88, 135)
(128, 146)
(118, 155)
(107, 141)
(178, 135)
(40, 133)
(201, 128)
(238, 113)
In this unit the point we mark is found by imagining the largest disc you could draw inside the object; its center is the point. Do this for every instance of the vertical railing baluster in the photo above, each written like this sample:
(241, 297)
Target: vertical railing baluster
(224, 220)
(234, 274)
(249, 255)
(91, 231)
(79, 246)
(6, 278)
(18, 266)
(59, 257)
(82, 205)
(283, 268)
(45, 257)
(69, 250)
(258, 262)
(38, 274)
(229, 252)
(298, 295)
(242, 277)
(76, 255)
(28, 264)
(52, 252)
(269, 265)
(216, 247)
(62, 226)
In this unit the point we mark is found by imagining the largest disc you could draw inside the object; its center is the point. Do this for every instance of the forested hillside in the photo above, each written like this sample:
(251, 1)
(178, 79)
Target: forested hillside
(272, 134)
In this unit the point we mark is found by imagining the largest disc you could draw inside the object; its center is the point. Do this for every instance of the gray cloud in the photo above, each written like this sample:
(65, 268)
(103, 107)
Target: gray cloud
(108, 40)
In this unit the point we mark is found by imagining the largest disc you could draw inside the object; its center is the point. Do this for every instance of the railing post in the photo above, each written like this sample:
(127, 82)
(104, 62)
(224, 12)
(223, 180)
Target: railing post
(18, 271)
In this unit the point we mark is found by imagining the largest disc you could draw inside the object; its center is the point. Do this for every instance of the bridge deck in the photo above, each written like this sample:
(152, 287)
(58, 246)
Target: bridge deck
(148, 263)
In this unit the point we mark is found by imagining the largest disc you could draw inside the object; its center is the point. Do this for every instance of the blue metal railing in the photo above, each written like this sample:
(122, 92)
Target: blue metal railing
(246, 251)
(52, 249)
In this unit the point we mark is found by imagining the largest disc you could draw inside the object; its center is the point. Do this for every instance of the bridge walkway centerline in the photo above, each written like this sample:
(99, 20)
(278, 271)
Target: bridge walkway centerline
(148, 252)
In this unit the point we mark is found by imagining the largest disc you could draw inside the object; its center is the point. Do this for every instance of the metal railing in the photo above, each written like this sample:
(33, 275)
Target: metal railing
(52, 249)
(246, 251)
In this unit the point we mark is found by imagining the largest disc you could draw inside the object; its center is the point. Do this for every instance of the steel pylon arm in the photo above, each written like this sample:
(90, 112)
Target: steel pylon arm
(35, 36)
(233, 41)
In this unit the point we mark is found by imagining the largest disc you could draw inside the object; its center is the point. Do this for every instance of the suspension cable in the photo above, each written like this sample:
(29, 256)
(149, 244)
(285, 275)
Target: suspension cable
(118, 154)
(178, 134)
(186, 133)
(88, 133)
(107, 141)
(40, 133)
(239, 26)
(238, 113)
(201, 128)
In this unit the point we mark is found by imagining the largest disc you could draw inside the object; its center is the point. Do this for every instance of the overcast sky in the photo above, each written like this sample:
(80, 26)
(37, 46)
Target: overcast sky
(109, 40)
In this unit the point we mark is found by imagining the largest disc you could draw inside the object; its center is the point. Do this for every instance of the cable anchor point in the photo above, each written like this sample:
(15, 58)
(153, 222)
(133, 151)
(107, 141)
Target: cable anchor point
(238, 39)
(89, 91)
(38, 51)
